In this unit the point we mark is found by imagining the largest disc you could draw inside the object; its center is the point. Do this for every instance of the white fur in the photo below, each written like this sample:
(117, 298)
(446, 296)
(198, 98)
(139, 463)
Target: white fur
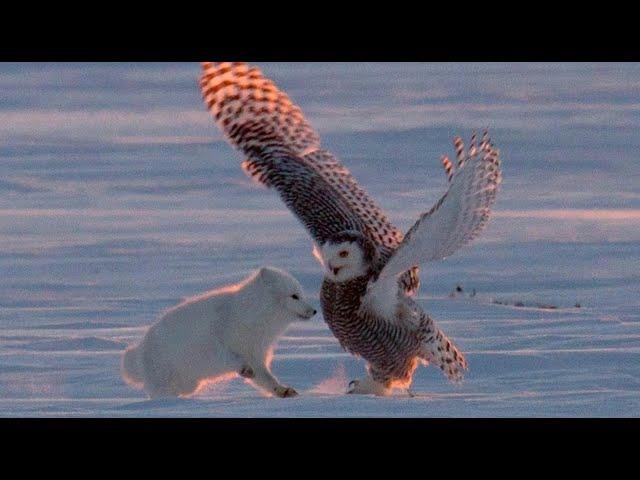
(348, 267)
(226, 331)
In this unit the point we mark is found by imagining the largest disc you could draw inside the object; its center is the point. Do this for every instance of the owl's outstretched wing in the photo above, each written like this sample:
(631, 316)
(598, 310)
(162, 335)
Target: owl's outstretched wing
(457, 218)
(283, 152)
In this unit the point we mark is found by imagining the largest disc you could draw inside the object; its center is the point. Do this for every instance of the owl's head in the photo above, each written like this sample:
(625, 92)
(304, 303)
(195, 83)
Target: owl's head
(347, 255)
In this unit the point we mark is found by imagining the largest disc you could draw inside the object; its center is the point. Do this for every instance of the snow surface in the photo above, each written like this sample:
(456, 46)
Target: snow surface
(118, 198)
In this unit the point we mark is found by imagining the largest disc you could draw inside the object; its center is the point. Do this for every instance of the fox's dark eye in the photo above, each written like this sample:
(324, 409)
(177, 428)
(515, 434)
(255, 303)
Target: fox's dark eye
(295, 297)
(344, 254)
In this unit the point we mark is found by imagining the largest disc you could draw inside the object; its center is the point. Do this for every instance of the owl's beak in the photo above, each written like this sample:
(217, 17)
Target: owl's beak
(335, 270)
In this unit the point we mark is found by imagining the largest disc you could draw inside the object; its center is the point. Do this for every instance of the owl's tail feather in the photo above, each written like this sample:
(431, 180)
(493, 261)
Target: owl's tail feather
(440, 351)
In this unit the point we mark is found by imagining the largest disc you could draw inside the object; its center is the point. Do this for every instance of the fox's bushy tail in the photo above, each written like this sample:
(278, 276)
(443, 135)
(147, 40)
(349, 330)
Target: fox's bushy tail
(132, 369)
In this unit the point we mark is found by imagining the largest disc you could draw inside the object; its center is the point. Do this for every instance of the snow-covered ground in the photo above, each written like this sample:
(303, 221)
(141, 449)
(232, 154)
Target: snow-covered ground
(118, 198)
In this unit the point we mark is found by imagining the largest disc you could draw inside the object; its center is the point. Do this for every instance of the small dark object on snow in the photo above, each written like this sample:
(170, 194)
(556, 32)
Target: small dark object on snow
(519, 304)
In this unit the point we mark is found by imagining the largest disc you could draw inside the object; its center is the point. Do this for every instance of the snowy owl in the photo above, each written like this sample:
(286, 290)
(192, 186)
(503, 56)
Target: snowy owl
(370, 267)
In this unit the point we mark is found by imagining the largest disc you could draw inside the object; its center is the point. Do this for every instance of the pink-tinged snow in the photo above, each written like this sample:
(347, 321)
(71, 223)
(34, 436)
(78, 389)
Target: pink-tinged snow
(118, 198)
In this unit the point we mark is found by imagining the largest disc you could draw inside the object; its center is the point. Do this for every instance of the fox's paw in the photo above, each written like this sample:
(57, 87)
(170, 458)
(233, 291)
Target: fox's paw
(247, 372)
(284, 392)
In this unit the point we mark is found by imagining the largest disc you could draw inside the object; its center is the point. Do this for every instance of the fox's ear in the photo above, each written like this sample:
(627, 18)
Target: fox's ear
(264, 272)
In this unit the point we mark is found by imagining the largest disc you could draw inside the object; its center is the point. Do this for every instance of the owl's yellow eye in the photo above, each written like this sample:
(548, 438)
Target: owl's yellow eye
(344, 254)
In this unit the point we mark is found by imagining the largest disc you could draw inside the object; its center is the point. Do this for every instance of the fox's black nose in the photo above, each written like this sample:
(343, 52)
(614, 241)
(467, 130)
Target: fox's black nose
(315, 311)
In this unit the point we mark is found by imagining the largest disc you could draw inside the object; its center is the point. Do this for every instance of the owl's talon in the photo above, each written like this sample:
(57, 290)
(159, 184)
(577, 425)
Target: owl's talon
(368, 386)
(353, 384)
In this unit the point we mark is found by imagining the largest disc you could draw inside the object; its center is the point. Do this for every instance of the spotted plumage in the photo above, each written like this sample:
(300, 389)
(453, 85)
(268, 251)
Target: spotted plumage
(448, 167)
(283, 152)
(371, 268)
(392, 349)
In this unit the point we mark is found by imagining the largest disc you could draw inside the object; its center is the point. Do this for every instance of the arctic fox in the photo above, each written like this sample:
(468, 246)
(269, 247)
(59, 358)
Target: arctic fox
(226, 331)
